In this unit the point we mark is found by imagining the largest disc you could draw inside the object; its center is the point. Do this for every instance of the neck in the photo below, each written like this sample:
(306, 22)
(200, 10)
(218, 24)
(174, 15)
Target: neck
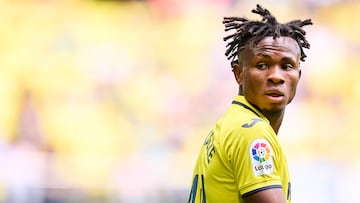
(275, 119)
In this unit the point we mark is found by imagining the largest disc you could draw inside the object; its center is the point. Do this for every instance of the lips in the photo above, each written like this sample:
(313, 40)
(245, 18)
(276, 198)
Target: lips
(274, 96)
(274, 93)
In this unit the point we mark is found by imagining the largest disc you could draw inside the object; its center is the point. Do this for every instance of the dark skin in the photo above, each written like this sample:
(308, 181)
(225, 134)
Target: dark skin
(268, 75)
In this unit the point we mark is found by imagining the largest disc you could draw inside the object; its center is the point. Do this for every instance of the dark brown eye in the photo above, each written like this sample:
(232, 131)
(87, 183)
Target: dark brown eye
(262, 66)
(288, 66)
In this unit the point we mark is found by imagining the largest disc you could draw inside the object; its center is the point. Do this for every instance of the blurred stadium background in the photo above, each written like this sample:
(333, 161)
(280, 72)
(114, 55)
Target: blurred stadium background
(109, 101)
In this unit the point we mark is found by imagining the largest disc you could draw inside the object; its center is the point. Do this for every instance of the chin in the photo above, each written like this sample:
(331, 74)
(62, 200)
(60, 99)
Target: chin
(275, 108)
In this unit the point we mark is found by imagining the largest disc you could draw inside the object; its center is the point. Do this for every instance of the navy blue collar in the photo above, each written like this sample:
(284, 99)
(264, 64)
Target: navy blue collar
(245, 106)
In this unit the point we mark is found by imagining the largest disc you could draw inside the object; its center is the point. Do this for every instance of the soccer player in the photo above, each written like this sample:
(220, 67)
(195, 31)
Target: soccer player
(241, 159)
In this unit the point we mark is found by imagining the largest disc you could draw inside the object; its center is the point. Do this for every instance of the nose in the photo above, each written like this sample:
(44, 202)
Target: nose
(276, 75)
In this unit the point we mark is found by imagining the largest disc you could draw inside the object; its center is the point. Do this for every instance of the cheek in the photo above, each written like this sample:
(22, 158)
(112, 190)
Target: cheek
(253, 85)
(296, 78)
(255, 80)
(294, 81)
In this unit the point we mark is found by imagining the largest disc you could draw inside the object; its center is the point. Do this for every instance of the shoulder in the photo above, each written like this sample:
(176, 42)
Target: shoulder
(236, 124)
(236, 131)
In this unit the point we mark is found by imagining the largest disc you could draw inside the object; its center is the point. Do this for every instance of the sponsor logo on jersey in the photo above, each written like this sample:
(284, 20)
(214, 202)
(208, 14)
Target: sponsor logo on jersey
(261, 157)
(252, 123)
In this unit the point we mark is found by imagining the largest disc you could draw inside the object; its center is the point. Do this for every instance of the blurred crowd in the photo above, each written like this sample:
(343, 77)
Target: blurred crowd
(109, 101)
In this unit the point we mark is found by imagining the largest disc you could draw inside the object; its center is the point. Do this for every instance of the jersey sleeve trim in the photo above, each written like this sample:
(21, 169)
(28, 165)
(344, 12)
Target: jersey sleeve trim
(260, 189)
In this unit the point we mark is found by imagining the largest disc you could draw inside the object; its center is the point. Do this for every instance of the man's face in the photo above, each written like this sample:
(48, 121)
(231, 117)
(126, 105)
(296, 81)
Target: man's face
(268, 73)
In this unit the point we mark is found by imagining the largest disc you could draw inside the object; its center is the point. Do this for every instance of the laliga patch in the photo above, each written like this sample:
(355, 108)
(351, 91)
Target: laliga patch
(261, 156)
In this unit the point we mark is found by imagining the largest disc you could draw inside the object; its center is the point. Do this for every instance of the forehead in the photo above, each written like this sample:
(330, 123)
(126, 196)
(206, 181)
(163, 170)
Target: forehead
(285, 46)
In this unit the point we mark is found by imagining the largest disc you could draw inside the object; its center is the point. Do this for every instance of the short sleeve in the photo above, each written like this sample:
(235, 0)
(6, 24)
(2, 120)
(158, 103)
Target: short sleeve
(252, 152)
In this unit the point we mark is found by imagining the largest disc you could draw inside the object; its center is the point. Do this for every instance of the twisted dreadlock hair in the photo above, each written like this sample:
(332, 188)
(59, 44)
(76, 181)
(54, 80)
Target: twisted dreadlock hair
(252, 32)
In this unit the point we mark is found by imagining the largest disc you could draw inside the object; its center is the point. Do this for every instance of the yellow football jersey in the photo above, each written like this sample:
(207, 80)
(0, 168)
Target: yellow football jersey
(240, 156)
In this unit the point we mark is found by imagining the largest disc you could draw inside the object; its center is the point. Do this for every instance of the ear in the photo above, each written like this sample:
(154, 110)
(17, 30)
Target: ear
(237, 69)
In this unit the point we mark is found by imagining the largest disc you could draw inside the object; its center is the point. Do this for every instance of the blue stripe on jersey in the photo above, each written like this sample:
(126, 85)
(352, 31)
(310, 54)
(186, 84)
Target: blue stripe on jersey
(246, 107)
(260, 189)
